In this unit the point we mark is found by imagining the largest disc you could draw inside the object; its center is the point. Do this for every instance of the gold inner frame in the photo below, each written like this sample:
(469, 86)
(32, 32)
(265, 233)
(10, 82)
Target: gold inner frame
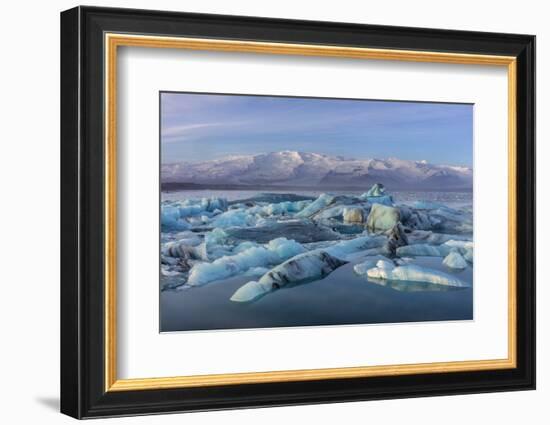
(113, 41)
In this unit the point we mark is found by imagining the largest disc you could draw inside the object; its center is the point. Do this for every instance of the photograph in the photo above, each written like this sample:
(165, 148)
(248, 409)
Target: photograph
(295, 211)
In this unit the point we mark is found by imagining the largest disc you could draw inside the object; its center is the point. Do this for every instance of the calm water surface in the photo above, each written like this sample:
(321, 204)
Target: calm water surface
(340, 298)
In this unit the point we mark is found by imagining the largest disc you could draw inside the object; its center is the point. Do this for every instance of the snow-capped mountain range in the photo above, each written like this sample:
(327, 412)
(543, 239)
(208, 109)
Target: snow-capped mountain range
(303, 169)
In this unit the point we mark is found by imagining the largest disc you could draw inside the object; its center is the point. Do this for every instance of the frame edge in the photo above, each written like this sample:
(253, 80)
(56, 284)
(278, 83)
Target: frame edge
(70, 361)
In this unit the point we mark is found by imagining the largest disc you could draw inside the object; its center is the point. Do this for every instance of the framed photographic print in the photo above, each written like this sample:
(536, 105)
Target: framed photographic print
(261, 212)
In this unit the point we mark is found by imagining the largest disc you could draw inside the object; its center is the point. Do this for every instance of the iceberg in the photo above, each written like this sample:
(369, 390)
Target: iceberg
(353, 215)
(321, 202)
(256, 271)
(382, 218)
(396, 238)
(170, 219)
(216, 237)
(455, 261)
(426, 205)
(190, 210)
(377, 189)
(465, 248)
(377, 195)
(370, 262)
(285, 248)
(251, 291)
(204, 206)
(347, 229)
(336, 212)
(464, 244)
(274, 252)
(469, 255)
(388, 271)
(311, 265)
(284, 208)
(418, 219)
(303, 231)
(429, 237)
(213, 204)
(183, 249)
(217, 244)
(344, 249)
(243, 246)
(234, 218)
(424, 250)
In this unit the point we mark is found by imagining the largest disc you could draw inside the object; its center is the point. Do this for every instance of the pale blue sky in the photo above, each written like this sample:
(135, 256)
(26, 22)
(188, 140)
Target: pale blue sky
(198, 127)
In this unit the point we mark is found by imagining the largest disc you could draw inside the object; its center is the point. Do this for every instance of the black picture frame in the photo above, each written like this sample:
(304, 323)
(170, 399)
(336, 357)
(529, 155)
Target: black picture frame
(83, 392)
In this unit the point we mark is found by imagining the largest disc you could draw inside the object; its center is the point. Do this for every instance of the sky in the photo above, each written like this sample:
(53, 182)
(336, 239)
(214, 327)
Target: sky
(199, 127)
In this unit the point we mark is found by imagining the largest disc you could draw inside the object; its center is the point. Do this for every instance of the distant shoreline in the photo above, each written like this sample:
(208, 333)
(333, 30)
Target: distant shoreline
(176, 186)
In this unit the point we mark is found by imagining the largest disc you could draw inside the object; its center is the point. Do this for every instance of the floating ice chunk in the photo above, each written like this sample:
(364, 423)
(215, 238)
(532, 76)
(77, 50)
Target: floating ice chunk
(403, 261)
(165, 271)
(191, 210)
(230, 265)
(183, 249)
(369, 263)
(424, 250)
(418, 219)
(347, 229)
(426, 236)
(426, 205)
(396, 238)
(285, 248)
(234, 218)
(465, 248)
(469, 254)
(216, 237)
(353, 215)
(413, 273)
(449, 213)
(256, 271)
(216, 244)
(170, 219)
(382, 200)
(377, 195)
(310, 265)
(212, 204)
(383, 270)
(321, 202)
(187, 237)
(345, 248)
(336, 212)
(198, 220)
(283, 208)
(243, 246)
(459, 244)
(171, 261)
(371, 252)
(382, 217)
(250, 291)
(377, 189)
(275, 252)
(303, 231)
(455, 261)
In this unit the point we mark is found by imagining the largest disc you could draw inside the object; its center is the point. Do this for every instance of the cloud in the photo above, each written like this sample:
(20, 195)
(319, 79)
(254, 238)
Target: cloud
(178, 133)
(182, 130)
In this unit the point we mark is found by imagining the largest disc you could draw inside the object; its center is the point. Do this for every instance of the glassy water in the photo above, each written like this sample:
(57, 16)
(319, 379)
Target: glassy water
(342, 298)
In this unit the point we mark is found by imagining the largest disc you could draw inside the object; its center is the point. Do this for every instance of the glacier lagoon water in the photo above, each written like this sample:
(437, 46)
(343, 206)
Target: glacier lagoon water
(341, 298)
(448, 198)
